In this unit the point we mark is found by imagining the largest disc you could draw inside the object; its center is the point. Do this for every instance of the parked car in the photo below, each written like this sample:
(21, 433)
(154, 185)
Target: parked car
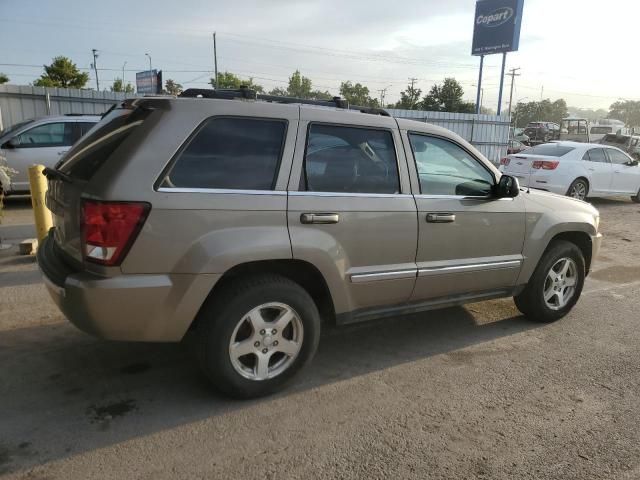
(515, 147)
(40, 141)
(579, 170)
(252, 222)
(518, 134)
(627, 143)
(542, 131)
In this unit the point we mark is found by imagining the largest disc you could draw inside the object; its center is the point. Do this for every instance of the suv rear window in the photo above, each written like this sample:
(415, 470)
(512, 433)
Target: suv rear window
(93, 150)
(230, 153)
(549, 150)
(614, 139)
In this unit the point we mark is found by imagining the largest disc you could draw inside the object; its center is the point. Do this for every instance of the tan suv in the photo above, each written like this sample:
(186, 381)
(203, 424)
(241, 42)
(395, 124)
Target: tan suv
(253, 219)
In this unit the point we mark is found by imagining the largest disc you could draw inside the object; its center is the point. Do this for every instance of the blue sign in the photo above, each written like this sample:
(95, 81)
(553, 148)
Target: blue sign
(496, 26)
(147, 82)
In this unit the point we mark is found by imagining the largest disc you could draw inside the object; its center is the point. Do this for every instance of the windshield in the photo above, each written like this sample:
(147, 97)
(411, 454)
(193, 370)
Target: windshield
(14, 128)
(549, 150)
(599, 130)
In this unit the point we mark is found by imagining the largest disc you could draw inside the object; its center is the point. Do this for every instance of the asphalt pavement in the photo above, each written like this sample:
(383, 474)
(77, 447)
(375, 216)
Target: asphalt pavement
(474, 392)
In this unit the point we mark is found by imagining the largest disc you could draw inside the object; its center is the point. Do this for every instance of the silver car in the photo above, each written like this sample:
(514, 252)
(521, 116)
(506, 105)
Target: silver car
(41, 141)
(253, 220)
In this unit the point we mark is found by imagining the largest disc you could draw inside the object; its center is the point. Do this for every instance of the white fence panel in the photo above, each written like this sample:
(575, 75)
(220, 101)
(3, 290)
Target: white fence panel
(488, 133)
(22, 102)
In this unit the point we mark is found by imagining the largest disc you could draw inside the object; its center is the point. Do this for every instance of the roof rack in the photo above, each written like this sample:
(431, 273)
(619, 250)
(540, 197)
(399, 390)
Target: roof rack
(247, 93)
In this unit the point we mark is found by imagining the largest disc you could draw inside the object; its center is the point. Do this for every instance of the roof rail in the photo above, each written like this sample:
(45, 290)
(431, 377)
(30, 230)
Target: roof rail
(247, 93)
(82, 114)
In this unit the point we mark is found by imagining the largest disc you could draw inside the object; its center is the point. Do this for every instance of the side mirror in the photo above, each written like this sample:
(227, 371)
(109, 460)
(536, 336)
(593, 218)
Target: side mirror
(632, 163)
(507, 187)
(8, 145)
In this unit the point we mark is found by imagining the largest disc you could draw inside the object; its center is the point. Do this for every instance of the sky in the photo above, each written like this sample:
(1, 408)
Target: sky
(581, 50)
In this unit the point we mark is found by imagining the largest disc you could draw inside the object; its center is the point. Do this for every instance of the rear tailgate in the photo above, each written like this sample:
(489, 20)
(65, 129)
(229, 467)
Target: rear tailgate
(68, 180)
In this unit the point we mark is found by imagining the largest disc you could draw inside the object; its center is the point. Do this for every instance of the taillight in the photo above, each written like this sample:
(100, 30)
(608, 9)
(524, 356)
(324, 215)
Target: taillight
(110, 228)
(545, 164)
(505, 161)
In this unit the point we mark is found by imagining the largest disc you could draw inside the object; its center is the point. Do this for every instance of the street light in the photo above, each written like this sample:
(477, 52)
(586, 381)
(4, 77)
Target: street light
(149, 61)
(481, 95)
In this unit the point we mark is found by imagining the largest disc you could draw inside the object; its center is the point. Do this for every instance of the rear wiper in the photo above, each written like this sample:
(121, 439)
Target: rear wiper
(51, 173)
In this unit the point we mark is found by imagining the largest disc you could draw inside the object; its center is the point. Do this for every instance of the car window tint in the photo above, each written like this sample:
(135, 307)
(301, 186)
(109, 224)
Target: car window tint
(85, 127)
(617, 157)
(549, 150)
(445, 168)
(350, 160)
(48, 135)
(230, 153)
(595, 155)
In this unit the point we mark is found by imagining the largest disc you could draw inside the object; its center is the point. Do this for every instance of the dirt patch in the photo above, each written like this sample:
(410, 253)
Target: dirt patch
(618, 274)
(104, 413)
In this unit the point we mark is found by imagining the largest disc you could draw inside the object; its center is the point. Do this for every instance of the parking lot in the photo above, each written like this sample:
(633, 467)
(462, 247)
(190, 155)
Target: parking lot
(474, 392)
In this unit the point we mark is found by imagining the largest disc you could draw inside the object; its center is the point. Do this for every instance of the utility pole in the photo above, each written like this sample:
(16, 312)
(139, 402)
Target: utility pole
(123, 65)
(383, 93)
(413, 80)
(215, 62)
(95, 67)
(512, 73)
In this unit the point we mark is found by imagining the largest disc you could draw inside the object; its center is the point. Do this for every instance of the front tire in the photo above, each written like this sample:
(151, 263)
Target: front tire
(256, 334)
(636, 198)
(556, 284)
(578, 189)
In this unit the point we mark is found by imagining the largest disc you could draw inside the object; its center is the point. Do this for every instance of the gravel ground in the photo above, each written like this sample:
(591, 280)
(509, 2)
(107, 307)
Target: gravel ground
(475, 392)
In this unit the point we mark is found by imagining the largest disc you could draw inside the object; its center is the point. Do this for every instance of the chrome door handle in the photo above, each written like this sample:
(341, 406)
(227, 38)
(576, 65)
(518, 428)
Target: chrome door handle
(63, 152)
(441, 217)
(319, 218)
(592, 169)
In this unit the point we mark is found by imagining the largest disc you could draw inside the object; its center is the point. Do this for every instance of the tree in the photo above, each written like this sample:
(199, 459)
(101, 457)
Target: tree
(62, 73)
(172, 87)
(280, 92)
(357, 95)
(299, 86)
(230, 80)
(627, 111)
(409, 98)
(447, 98)
(320, 95)
(546, 110)
(3, 78)
(118, 87)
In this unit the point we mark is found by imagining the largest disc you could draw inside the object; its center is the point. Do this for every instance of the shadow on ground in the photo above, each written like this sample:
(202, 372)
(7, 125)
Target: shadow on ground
(64, 393)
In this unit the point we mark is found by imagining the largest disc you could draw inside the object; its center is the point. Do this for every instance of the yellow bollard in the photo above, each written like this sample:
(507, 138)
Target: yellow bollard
(42, 216)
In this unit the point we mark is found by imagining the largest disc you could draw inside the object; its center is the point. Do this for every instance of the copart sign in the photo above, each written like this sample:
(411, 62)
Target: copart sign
(497, 26)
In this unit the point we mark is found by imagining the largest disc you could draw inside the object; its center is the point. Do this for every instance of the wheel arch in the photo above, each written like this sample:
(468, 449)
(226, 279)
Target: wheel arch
(301, 272)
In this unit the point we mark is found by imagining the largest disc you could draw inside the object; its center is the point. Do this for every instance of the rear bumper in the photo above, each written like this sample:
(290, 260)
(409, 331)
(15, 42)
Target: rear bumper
(149, 307)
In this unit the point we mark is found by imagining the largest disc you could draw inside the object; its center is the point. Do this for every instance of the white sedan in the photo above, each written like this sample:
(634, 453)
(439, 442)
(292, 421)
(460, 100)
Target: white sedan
(579, 170)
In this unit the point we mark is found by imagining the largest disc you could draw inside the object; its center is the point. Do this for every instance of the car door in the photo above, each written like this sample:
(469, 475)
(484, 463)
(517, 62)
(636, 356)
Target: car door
(626, 173)
(43, 144)
(600, 170)
(351, 212)
(469, 242)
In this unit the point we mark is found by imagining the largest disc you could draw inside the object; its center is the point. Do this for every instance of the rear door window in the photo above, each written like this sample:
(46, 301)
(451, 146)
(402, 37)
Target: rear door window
(350, 160)
(230, 153)
(595, 155)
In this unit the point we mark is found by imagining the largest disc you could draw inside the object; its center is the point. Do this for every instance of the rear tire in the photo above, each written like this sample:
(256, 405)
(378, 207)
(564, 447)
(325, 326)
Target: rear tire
(578, 189)
(553, 290)
(244, 330)
(636, 198)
